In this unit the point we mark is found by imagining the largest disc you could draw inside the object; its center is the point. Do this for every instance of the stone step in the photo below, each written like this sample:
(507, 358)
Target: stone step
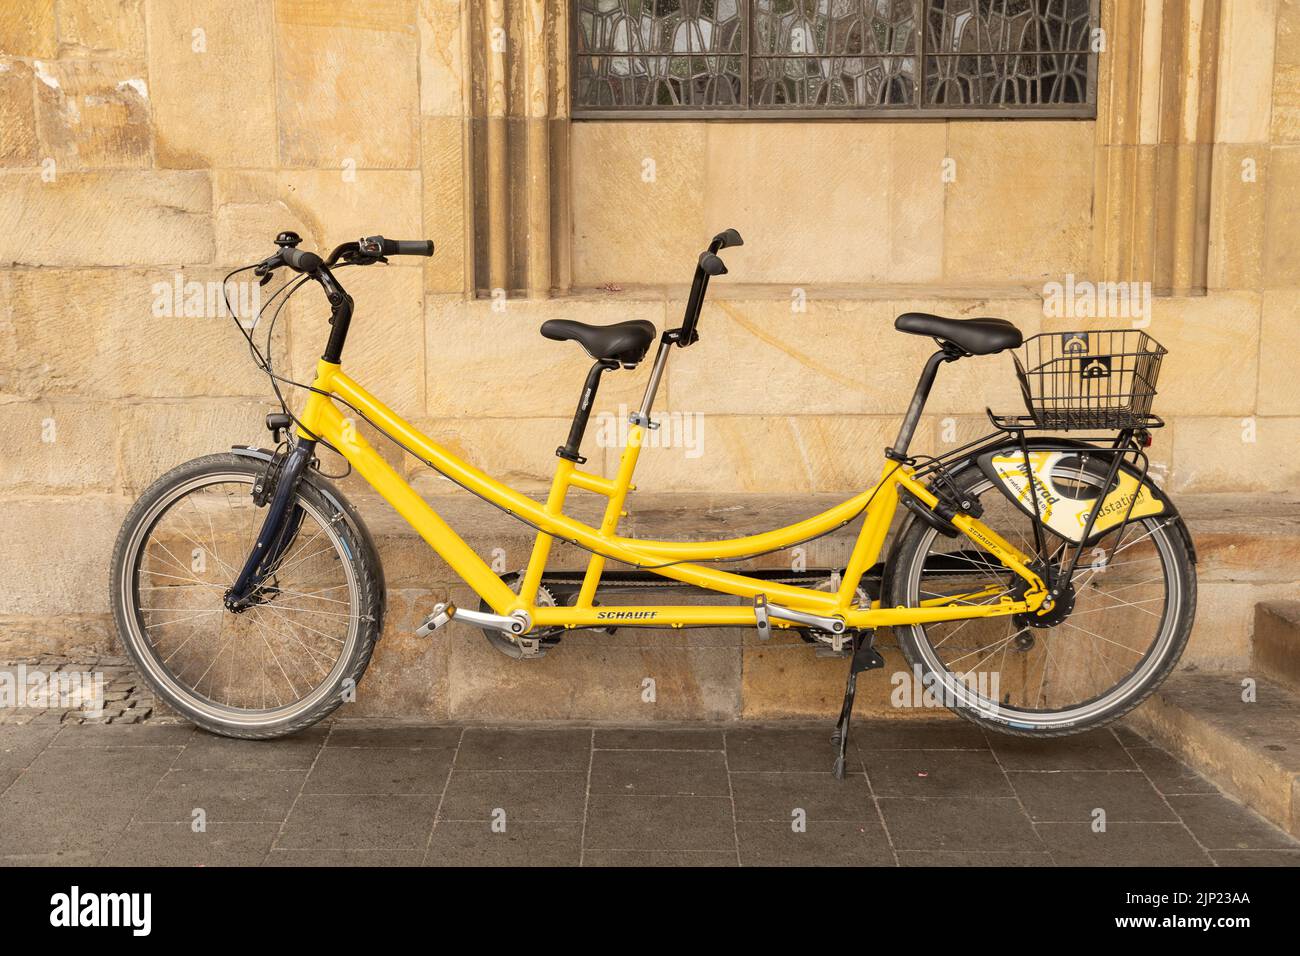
(1241, 732)
(1239, 538)
(1276, 641)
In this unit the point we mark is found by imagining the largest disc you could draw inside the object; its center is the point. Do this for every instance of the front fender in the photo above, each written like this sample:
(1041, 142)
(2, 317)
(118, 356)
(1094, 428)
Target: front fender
(344, 507)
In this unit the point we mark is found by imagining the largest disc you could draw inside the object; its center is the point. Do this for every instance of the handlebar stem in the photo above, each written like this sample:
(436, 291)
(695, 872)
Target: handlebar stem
(340, 314)
(700, 285)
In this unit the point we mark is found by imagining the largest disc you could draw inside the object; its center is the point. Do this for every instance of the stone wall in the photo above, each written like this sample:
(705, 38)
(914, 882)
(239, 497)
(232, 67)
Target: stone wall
(145, 143)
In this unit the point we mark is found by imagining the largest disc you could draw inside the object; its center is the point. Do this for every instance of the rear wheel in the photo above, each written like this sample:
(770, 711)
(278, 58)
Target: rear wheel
(279, 665)
(1120, 627)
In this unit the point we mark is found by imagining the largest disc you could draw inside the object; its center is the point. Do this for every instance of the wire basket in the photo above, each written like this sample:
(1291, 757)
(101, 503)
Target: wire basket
(1104, 379)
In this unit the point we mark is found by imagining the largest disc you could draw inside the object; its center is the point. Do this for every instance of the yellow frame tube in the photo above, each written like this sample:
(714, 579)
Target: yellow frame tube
(669, 559)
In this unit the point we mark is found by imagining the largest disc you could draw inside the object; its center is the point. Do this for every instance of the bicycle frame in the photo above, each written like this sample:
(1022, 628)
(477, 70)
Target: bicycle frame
(674, 560)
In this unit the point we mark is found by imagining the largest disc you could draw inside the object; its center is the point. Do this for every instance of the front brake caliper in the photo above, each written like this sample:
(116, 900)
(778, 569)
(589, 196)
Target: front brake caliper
(266, 480)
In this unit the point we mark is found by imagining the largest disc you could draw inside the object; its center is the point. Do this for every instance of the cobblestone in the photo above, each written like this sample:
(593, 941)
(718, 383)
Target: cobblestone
(125, 698)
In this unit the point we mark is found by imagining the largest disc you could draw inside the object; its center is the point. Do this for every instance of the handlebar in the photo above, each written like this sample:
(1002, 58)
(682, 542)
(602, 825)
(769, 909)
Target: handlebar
(362, 252)
(725, 240)
(300, 261)
(709, 264)
(405, 247)
(712, 265)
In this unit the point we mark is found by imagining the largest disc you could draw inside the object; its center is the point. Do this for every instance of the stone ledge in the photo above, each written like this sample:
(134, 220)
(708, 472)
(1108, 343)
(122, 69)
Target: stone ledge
(1276, 641)
(1238, 538)
(1249, 548)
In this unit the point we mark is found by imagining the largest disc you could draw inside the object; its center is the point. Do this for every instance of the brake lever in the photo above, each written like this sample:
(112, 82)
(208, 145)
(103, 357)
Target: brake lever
(359, 258)
(266, 268)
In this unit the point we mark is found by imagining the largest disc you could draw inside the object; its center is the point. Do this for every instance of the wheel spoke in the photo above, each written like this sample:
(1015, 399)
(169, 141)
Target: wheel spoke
(270, 658)
(1066, 669)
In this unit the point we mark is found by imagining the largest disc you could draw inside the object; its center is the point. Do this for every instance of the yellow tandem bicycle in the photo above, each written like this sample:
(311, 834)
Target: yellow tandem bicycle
(1039, 582)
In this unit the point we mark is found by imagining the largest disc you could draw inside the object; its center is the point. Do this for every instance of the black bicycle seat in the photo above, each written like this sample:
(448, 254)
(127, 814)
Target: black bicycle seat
(976, 336)
(623, 342)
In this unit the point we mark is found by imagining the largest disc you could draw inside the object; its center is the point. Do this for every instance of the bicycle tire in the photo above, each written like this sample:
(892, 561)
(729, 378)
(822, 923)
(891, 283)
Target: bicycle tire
(352, 548)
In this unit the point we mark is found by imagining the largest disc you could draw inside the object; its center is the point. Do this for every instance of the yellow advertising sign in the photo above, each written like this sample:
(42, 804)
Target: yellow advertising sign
(1056, 488)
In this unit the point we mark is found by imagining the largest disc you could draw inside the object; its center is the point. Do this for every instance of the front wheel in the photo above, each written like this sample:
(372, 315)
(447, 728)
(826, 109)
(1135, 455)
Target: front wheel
(275, 667)
(1117, 634)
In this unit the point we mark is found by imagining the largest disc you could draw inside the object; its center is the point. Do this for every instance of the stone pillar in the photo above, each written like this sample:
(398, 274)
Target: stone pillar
(518, 106)
(1157, 92)
(445, 143)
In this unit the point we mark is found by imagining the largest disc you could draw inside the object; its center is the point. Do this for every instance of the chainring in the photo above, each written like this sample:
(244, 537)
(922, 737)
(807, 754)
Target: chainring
(548, 636)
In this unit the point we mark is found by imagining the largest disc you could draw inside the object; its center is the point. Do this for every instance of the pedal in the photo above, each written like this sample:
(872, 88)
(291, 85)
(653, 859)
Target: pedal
(442, 613)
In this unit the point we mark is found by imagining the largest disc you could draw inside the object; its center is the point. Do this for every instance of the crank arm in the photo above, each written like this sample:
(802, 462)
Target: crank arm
(834, 625)
(514, 624)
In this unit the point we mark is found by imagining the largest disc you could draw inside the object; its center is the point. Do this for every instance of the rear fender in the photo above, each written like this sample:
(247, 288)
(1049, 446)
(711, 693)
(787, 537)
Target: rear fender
(1063, 513)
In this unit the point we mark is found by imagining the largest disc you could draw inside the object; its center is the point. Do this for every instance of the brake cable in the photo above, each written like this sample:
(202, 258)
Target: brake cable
(264, 364)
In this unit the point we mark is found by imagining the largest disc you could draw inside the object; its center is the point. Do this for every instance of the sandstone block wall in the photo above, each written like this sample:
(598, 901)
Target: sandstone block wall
(147, 145)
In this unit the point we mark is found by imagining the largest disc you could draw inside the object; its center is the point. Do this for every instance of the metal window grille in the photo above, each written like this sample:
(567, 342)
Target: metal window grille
(834, 58)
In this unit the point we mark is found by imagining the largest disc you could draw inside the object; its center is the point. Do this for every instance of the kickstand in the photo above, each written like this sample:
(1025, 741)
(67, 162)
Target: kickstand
(865, 658)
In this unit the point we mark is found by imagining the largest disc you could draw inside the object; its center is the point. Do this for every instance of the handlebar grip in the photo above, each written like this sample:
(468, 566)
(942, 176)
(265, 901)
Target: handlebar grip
(408, 247)
(712, 265)
(301, 261)
(726, 239)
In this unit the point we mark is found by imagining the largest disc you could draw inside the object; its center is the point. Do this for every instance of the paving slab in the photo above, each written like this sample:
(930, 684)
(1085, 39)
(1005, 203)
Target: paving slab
(383, 792)
(660, 823)
(223, 796)
(1122, 844)
(178, 844)
(770, 797)
(958, 823)
(660, 772)
(822, 843)
(520, 844)
(326, 821)
(1078, 795)
(935, 773)
(553, 796)
(379, 770)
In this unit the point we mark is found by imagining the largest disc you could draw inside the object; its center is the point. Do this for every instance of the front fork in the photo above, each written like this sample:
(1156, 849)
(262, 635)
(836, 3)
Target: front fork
(283, 519)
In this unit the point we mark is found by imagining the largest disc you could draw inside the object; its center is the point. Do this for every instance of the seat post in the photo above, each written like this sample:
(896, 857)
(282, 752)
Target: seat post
(899, 450)
(569, 450)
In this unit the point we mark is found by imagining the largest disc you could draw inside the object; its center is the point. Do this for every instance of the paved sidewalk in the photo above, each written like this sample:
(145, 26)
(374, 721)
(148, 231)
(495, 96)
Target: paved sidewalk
(369, 792)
